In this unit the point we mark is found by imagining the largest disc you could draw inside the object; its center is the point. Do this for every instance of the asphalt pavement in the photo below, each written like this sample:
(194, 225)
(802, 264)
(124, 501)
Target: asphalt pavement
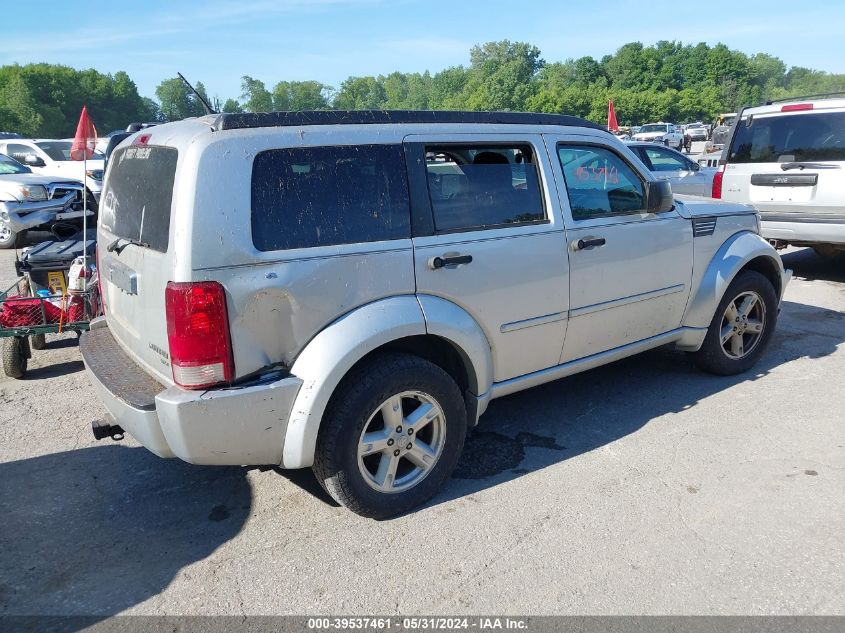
(643, 487)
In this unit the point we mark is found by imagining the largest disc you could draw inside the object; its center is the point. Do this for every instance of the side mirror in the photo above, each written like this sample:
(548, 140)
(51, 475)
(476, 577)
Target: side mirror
(694, 167)
(33, 161)
(658, 197)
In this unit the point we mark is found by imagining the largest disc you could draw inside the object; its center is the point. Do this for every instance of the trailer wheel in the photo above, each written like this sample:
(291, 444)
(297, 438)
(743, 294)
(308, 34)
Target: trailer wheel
(15, 355)
(38, 341)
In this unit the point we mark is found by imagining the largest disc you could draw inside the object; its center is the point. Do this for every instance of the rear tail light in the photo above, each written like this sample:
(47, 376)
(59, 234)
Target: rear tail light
(716, 191)
(198, 334)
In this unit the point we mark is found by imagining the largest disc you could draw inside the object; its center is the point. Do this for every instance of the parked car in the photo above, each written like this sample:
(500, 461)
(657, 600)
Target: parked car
(31, 201)
(697, 132)
(52, 158)
(685, 175)
(349, 290)
(665, 133)
(788, 160)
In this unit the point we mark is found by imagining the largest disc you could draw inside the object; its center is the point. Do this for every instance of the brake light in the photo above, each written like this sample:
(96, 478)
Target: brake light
(198, 334)
(143, 139)
(796, 107)
(716, 191)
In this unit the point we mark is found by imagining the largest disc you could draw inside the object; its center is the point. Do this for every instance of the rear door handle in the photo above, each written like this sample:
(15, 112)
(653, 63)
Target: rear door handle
(438, 262)
(590, 242)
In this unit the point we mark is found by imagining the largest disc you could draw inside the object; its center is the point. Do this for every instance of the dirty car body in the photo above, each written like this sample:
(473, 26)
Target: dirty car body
(450, 258)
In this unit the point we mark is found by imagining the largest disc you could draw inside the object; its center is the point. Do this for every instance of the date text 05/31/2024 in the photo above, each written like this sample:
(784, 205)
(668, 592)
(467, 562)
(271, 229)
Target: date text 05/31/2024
(416, 623)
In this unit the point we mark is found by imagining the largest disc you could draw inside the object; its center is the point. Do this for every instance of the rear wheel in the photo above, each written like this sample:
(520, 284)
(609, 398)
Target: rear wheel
(15, 356)
(391, 436)
(742, 326)
(38, 341)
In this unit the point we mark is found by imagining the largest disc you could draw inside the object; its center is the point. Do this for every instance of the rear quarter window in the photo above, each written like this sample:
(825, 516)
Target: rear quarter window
(321, 196)
(816, 136)
(138, 194)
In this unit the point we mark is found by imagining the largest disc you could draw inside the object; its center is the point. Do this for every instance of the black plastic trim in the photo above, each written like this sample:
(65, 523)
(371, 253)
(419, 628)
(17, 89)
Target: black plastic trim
(784, 180)
(235, 121)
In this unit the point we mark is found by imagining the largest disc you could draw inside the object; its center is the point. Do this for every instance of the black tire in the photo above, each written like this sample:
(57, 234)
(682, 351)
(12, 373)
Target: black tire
(38, 341)
(15, 355)
(355, 400)
(712, 357)
(10, 238)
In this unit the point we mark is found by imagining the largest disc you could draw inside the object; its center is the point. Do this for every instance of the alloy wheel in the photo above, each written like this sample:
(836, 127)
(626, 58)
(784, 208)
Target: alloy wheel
(401, 442)
(742, 325)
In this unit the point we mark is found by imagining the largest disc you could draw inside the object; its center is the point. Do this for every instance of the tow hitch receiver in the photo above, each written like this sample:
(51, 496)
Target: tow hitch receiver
(102, 430)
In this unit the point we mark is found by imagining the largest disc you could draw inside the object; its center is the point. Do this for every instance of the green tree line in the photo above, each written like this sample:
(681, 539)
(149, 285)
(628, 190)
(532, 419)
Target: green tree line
(668, 81)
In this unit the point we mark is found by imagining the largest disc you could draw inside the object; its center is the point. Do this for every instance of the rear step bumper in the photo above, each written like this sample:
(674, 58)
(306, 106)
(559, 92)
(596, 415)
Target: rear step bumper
(244, 425)
(805, 229)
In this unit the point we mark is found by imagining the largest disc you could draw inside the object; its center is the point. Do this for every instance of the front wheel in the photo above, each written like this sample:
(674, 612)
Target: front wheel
(391, 436)
(10, 238)
(742, 326)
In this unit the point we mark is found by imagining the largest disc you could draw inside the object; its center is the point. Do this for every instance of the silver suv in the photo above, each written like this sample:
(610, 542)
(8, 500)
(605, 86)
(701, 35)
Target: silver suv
(349, 290)
(788, 160)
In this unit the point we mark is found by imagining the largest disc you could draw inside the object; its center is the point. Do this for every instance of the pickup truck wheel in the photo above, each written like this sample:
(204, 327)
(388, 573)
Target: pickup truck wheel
(742, 326)
(15, 355)
(10, 238)
(391, 436)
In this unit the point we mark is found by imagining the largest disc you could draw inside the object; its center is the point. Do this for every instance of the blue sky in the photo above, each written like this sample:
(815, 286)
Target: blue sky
(217, 41)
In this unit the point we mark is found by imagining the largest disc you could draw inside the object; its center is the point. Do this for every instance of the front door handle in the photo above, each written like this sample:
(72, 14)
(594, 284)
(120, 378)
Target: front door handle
(438, 262)
(589, 243)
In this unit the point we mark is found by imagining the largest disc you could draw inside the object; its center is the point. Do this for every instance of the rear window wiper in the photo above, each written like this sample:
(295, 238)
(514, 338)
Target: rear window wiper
(801, 165)
(117, 246)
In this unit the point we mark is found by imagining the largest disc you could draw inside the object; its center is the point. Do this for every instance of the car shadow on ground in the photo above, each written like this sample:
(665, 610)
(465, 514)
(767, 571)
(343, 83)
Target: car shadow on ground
(97, 530)
(536, 428)
(806, 264)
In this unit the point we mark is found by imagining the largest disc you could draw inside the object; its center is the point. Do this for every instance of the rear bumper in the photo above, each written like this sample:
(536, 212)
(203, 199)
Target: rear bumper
(797, 231)
(237, 426)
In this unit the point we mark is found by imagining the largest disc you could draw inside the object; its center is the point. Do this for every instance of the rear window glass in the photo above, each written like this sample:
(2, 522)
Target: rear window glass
(320, 196)
(135, 203)
(815, 136)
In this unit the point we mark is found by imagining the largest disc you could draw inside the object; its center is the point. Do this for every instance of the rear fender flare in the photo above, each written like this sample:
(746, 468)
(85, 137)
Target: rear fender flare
(330, 355)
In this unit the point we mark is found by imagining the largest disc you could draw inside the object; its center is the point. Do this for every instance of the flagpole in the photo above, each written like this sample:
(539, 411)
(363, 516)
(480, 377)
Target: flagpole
(85, 215)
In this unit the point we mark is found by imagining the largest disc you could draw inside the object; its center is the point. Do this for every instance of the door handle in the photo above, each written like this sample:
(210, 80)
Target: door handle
(590, 242)
(438, 262)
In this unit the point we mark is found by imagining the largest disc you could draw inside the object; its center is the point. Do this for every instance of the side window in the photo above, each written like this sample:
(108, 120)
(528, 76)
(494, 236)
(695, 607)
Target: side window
(19, 152)
(664, 160)
(599, 183)
(479, 186)
(319, 196)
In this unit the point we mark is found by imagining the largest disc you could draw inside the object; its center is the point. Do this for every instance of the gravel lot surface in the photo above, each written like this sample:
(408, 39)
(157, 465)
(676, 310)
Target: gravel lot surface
(644, 487)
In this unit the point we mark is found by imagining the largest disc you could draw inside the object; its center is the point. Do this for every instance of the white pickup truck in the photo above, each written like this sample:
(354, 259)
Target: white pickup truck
(31, 201)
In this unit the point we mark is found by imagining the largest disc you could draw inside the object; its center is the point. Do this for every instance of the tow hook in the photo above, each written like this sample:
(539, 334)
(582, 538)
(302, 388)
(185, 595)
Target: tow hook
(102, 431)
(778, 245)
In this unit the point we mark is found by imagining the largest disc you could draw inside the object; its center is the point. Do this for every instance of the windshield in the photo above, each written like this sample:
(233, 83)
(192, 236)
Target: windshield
(60, 150)
(655, 127)
(790, 138)
(11, 166)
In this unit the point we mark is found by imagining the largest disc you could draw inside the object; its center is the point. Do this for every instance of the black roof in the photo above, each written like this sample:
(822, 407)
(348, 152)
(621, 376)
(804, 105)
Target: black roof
(358, 117)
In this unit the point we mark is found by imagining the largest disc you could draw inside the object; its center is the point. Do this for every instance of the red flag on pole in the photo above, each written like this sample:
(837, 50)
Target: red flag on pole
(85, 138)
(612, 123)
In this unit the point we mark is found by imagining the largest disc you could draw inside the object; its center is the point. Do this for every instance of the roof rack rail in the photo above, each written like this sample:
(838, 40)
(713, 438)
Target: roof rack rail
(234, 121)
(818, 96)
